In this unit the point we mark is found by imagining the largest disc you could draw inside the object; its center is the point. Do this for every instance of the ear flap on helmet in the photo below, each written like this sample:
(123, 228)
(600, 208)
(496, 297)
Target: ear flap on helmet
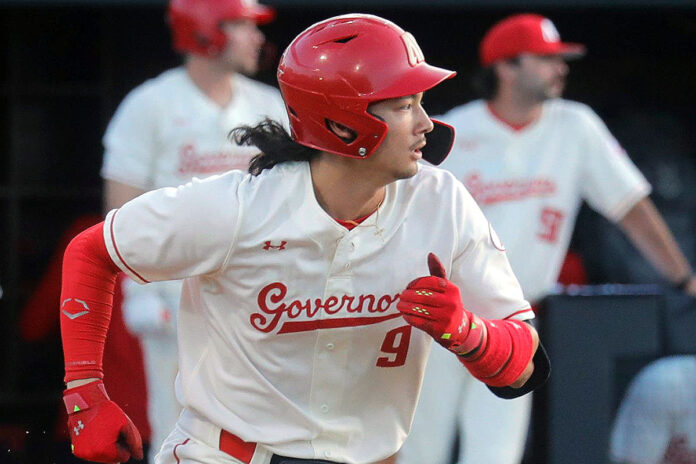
(438, 143)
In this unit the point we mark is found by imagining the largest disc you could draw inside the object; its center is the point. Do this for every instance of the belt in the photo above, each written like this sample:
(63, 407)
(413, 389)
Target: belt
(244, 451)
(236, 447)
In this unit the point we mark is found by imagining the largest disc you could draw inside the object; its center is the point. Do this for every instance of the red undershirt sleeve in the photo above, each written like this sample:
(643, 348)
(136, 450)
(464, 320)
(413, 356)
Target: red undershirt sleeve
(89, 278)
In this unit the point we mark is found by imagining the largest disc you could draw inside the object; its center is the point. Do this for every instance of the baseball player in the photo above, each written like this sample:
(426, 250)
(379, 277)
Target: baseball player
(300, 337)
(529, 159)
(173, 128)
(656, 421)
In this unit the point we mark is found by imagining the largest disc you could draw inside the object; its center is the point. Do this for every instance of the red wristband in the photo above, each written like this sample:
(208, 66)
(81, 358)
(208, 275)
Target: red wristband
(506, 355)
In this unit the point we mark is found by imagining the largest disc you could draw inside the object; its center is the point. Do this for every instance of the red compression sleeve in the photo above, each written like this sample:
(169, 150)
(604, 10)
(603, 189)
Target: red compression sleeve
(504, 353)
(89, 277)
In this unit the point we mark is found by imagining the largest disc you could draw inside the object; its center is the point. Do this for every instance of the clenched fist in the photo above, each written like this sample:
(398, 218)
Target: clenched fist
(434, 305)
(99, 430)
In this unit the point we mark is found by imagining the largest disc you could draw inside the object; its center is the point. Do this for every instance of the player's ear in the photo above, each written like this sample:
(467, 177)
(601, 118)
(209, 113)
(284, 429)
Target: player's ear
(345, 133)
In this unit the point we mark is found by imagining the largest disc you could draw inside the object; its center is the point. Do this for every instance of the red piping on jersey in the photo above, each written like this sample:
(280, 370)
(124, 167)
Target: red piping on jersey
(176, 446)
(516, 127)
(118, 253)
(522, 311)
(351, 224)
(307, 326)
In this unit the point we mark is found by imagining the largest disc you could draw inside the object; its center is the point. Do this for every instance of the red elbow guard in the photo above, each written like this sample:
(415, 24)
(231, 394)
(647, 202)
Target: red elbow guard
(89, 277)
(504, 353)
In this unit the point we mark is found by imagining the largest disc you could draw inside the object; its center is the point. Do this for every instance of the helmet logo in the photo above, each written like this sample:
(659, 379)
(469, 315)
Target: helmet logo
(413, 51)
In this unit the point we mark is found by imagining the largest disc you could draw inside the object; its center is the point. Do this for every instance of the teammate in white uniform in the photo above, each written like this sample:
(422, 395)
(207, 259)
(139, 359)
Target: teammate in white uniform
(172, 128)
(529, 159)
(656, 421)
(296, 339)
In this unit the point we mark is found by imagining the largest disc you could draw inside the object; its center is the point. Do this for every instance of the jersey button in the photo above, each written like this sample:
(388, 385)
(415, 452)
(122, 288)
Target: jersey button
(324, 408)
(327, 454)
(330, 346)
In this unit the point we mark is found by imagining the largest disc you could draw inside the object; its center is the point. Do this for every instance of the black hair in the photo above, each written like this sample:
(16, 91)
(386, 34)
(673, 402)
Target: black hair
(485, 80)
(275, 145)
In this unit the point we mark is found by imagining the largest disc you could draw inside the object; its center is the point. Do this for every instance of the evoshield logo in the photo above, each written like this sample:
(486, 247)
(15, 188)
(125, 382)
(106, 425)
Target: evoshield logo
(76, 309)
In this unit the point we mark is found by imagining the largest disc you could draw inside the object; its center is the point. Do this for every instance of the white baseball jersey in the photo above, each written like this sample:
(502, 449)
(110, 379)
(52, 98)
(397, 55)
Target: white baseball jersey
(288, 330)
(531, 182)
(660, 404)
(166, 131)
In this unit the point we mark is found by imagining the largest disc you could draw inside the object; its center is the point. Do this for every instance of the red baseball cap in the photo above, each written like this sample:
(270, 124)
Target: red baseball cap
(525, 33)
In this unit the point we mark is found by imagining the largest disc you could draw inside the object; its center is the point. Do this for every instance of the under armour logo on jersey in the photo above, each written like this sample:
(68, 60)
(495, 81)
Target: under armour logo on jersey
(413, 50)
(76, 309)
(78, 427)
(269, 246)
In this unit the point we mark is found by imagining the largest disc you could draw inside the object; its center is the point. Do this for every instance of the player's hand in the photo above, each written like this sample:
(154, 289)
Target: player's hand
(434, 305)
(99, 430)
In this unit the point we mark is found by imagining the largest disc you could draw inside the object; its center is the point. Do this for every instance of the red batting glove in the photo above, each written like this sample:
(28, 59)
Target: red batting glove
(99, 430)
(434, 305)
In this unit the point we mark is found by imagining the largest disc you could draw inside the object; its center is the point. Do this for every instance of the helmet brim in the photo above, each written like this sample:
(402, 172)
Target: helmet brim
(260, 14)
(566, 50)
(421, 78)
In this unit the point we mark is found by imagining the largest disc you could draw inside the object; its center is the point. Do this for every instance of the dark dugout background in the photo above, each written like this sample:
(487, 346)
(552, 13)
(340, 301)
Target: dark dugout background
(64, 67)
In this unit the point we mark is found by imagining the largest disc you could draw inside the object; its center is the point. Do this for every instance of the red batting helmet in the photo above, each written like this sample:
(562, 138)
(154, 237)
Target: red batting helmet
(195, 24)
(334, 69)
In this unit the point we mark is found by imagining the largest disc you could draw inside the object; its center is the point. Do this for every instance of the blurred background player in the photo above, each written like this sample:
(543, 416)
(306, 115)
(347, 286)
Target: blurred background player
(173, 128)
(530, 158)
(656, 420)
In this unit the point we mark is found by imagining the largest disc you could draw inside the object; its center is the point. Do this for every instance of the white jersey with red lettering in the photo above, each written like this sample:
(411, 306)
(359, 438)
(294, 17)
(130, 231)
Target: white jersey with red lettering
(288, 330)
(656, 421)
(531, 182)
(166, 131)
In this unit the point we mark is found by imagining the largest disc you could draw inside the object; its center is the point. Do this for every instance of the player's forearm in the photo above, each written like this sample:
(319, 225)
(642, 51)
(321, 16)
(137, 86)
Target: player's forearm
(89, 278)
(647, 230)
(506, 349)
